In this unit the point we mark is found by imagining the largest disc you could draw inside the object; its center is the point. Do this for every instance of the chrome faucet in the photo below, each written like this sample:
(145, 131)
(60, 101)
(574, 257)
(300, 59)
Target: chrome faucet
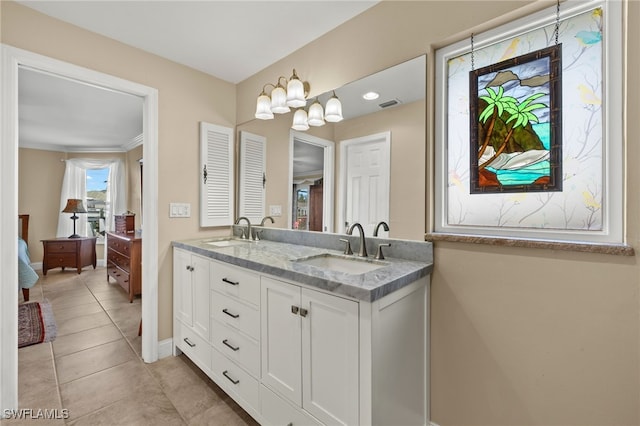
(362, 251)
(265, 218)
(384, 226)
(248, 226)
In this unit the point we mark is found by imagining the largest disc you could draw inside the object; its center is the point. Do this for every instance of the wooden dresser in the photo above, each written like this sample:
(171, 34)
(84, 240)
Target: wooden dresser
(124, 261)
(69, 253)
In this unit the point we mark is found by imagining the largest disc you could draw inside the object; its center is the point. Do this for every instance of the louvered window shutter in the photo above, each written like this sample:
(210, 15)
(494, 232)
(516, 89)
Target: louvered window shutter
(253, 158)
(216, 175)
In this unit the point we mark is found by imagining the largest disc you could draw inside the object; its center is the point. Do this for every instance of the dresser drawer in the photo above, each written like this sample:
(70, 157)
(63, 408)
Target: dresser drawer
(61, 247)
(235, 381)
(117, 244)
(193, 346)
(61, 259)
(237, 282)
(119, 275)
(120, 260)
(235, 314)
(277, 411)
(238, 347)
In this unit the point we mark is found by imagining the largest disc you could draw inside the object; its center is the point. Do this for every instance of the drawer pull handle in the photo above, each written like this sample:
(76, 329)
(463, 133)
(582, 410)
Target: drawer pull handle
(235, 382)
(230, 314)
(229, 345)
(188, 342)
(230, 282)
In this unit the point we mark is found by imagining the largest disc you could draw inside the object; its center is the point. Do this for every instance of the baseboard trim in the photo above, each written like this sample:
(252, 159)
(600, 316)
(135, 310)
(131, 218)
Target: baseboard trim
(165, 348)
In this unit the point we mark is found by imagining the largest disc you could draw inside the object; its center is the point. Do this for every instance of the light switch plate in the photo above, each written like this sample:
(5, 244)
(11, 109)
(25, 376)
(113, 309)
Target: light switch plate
(179, 210)
(275, 210)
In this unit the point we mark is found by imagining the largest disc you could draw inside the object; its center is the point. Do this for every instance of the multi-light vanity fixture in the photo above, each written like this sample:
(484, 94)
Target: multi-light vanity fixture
(280, 101)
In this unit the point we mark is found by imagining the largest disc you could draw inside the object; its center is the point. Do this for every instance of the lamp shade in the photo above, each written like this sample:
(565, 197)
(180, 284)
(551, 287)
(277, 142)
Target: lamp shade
(316, 114)
(333, 109)
(263, 107)
(295, 92)
(74, 206)
(279, 100)
(300, 120)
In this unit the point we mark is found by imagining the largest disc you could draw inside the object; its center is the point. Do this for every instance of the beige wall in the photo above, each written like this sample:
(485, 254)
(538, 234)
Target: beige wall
(518, 336)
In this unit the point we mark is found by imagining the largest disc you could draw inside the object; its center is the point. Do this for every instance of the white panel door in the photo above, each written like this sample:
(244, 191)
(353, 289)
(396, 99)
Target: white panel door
(330, 361)
(281, 339)
(367, 174)
(253, 157)
(216, 175)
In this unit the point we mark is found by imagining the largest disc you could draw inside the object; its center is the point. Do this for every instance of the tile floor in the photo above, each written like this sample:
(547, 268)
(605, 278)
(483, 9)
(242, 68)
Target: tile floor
(93, 368)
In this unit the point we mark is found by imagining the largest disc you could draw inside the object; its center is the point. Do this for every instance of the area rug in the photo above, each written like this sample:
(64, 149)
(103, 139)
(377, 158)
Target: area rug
(35, 323)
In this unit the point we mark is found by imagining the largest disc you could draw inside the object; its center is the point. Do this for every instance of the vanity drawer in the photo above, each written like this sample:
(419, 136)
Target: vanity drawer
(193, 346)
(235, 314)
(236, 381)
(237, 282)
(238, 347)
(277, 411)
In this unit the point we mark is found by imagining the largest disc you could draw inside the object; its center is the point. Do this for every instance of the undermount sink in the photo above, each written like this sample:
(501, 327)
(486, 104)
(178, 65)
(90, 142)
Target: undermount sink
(227, 243)
(347, 265)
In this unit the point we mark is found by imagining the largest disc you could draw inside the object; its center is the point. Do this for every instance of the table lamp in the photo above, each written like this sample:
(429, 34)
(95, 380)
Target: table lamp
(74, 206)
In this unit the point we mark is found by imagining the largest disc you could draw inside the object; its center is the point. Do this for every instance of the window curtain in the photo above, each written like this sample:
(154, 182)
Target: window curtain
(74, 185)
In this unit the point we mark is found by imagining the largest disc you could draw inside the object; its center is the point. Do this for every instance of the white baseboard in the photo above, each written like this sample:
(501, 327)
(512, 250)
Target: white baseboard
(165, 348)
(433, 424)
(38, 265)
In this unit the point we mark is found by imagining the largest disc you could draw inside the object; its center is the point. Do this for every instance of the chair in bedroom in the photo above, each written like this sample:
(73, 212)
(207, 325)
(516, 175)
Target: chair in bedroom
(27, 277)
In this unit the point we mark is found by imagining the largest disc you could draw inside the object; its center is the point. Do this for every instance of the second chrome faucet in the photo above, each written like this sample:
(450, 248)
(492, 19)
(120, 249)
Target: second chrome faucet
(362, 250)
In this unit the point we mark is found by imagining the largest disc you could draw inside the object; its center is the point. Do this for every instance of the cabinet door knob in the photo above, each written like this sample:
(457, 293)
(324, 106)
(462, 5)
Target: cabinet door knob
(303, 312)
(294, 310)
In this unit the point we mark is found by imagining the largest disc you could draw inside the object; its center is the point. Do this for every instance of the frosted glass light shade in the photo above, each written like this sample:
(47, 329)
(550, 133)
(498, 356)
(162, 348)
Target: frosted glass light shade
(295, 93)
(300, 120)
(333, 110)
(316, 114)
(263, 107)
(279, 100)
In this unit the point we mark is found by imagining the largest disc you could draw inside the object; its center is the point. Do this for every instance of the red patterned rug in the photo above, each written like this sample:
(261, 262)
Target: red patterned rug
(35, 323)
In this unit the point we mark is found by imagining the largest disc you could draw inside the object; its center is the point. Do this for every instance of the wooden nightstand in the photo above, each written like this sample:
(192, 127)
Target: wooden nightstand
(69, 253)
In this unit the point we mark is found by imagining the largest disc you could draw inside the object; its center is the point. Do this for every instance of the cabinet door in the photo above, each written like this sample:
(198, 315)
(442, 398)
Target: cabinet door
(200, 279)
(183, 286)
(216, 175)
(281, 338)
(330, 358)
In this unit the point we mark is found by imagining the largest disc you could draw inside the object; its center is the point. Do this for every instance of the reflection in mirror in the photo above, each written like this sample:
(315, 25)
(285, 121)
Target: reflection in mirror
(311, 183)
(400, 110)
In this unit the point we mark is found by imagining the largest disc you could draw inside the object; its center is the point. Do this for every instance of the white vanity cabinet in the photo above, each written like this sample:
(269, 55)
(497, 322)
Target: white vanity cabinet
(292, 353)
(191, 275)
(310, 350)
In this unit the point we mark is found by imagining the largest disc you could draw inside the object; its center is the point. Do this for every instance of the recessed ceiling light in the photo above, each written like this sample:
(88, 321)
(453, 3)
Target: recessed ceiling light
(371, 96)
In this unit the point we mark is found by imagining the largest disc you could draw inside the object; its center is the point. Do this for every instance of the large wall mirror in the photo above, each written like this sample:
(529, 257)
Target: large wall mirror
(304, 169)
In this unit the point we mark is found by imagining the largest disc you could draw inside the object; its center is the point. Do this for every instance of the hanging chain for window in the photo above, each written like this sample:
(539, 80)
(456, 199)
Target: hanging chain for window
(473, 65)
(557, 21)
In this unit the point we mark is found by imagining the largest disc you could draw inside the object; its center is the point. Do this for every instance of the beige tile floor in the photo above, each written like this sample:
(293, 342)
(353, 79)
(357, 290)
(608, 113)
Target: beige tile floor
(93, 368)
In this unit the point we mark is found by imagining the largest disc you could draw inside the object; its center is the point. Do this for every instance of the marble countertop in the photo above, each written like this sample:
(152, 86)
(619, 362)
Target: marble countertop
(283, 260)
